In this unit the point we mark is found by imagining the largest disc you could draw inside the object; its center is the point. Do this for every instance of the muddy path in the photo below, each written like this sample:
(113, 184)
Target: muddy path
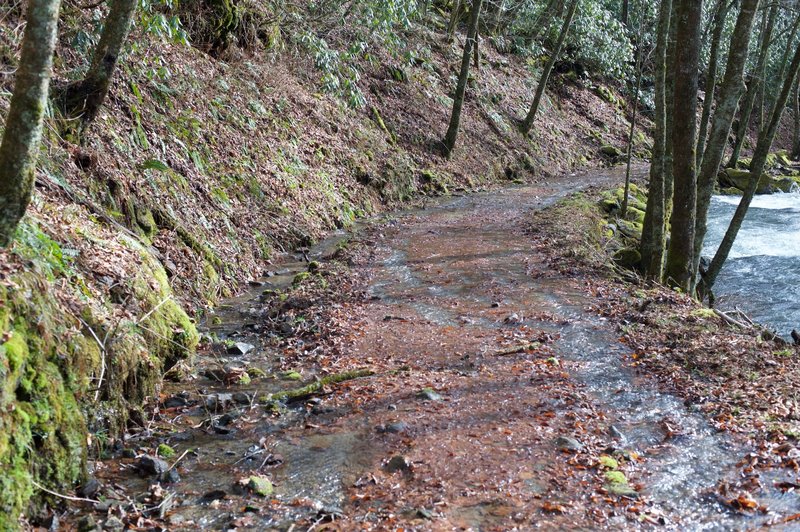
(496, 401)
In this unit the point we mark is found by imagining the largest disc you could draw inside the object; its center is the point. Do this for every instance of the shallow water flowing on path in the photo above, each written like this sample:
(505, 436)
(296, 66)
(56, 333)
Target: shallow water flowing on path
(448, 288)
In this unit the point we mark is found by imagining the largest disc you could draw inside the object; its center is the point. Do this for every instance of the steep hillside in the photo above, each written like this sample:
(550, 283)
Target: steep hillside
(198, 174)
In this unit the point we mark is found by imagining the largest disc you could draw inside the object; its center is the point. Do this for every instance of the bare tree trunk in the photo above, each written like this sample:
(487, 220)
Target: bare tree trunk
(652, 244)
(678, 270)
(796, 113)
(85, 98)
(548, 68)
(625, 11)
(632, 130)
(746, 109)
(461, 86)
(454, 15)
(765, 139)
(669, 184)
(711, 78)
(23, 125)
(730, 93)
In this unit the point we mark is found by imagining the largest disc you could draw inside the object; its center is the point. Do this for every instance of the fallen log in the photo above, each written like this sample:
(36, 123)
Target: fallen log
(316, 386)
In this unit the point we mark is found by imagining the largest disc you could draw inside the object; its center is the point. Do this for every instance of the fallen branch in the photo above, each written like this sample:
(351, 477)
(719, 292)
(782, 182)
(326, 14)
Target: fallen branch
(61, 495)
(518, 349)
(316, 386)
(730, 320)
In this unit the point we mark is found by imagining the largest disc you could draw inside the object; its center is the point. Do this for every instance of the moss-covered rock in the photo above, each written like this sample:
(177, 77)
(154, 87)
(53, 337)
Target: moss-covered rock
(628, 258)
(767, 184)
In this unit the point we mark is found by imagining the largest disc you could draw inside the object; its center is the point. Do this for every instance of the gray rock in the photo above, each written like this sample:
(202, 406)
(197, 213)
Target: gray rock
(240, 348)
(87, 524)
(567, 443)
(616, 433)
(113, 523)
(152, 465)
(397, 427)
(398, 463)
(170, 476)
(428, 394)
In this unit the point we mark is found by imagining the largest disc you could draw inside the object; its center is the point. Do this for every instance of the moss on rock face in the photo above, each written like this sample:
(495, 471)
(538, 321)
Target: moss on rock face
(52, 363)
(42, 428)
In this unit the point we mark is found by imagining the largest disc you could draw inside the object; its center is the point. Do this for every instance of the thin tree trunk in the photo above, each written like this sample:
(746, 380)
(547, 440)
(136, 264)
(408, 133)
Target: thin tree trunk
(454, 15)
(681, 245)
(652, 244)
(796, 113)
(85, 98)
(711, 78)
(625, 13)
(669, 183)
(632, 130)
(461, 87)
(23, 125)
(548, 68)
(746, 109)
(731, 92)
(765, 139)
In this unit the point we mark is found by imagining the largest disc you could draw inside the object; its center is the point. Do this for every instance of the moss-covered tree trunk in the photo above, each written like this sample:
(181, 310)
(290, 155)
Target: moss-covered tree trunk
(669, 88)
(730, 93)
(652, 244)
(84, 98)
(765, 139)
(688, 21)
(718, 25)
(461, 87)
(753, 87)
(527, 124)
(23, 125)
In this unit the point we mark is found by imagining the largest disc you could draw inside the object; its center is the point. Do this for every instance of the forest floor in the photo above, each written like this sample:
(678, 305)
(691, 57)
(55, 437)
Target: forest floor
(457, 366)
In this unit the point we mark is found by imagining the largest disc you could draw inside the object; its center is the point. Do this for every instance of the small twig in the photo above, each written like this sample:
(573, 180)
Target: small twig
(61, 495)
(178, 460)
(102, 346)
(150, 312)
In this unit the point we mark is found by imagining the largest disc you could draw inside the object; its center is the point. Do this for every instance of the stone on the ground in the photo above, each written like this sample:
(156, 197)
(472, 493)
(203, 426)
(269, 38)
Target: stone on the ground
(568, 443)
(113, 523)
(427, 394)
(260, 485)
(398, 463)
(152, 465)
(240, 348)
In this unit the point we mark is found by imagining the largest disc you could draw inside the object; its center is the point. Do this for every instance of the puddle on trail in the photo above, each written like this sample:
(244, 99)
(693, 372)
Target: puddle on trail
(452, 265)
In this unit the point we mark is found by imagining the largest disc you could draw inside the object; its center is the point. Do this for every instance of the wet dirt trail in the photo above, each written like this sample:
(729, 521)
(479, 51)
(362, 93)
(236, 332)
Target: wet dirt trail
(498, 401)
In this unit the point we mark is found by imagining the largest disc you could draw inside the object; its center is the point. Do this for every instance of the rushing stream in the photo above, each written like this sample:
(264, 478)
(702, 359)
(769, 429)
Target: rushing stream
(762, 276)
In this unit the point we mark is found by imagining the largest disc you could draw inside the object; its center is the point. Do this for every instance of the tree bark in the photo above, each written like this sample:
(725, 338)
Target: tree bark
(625, 13)
(23, 125)
(765, 139)
(746, 109)
(796, 113)
(84, 98)
(730, 93)
(527, 124)
(632, 129)
(652, 244)
(687, 59)
(669, 185)
(461, 86)
(454, 15)
(711, 78)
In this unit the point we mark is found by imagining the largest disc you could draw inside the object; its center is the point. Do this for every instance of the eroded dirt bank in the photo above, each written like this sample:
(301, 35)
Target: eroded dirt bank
(480, 394)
